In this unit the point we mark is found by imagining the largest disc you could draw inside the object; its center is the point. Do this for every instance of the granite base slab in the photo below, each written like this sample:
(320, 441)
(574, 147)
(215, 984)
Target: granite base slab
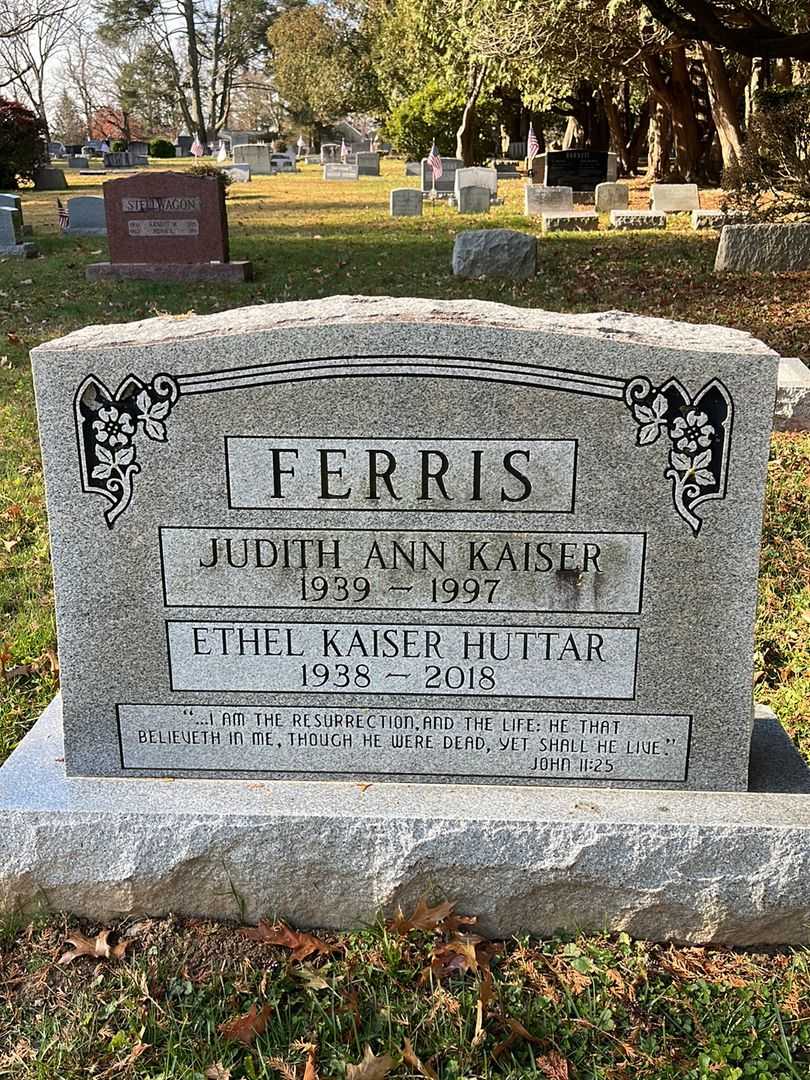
(691, 866)
(224, 272)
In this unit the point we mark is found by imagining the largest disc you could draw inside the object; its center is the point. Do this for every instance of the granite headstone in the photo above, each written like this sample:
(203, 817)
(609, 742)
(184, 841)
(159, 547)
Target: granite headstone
(407, 540)
(581, 170)
(167, 225)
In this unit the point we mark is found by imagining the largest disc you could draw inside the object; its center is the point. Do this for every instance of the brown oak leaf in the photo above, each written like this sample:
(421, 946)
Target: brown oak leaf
(245, 1028)
(371, 1067)
(553, 1065)
(300, 943)
(516, 1031)
(217, 1072)
(410, 1058)
(98, 947)
(423, 917)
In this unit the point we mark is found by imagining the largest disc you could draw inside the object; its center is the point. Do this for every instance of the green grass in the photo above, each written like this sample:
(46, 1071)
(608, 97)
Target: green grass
(612, 1008)
(607, 1008)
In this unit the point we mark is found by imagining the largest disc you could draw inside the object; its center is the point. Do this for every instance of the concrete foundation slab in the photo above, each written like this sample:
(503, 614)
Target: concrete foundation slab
(225, 272)
(692, 865)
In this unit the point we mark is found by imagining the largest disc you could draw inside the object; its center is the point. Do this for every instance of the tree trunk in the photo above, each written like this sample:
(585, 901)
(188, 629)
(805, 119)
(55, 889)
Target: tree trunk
(688, 148)
(194, 71)
(659, 141)
(465, 136)
(724, 104)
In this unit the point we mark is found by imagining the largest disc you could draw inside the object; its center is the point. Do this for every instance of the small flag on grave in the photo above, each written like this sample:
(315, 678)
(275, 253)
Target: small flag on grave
(434, 162)
(64, 215)
(532, 146)
(344, 151)
(197, 148)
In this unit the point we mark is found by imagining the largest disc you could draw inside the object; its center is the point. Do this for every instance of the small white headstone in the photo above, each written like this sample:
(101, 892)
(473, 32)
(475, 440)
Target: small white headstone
(674, 198)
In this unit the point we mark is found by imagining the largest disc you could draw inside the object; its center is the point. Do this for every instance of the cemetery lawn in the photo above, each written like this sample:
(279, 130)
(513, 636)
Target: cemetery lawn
(199, 1001)
(308, 238)
(608, 1007)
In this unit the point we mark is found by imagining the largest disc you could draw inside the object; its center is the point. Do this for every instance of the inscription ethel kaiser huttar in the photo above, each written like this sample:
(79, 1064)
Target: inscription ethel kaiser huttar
(407, 540)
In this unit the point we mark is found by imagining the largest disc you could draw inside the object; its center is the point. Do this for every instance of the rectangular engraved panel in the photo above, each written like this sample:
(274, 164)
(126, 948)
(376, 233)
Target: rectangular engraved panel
(403, 569)
(160, 203)
(411, 742)
(165, 227)
(429, 475)
(353, 659)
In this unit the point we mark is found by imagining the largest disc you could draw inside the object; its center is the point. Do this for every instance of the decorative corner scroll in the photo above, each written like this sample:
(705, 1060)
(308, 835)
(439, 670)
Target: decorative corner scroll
(108, 425)
(699, 429)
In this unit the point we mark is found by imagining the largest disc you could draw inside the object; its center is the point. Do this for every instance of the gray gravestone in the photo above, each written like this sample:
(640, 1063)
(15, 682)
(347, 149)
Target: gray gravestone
(48, 179)
(10, 227)
(339, 171)
(446, 183)
(477, 177)
(473, 200)
(405, 202)
(674, 198)
(570, 220)
(637, 219)
(117, 159)
(432, 541)
(716, 219)
(256, 155)
(368, 163)
(86, 216)
(413, 168)
(76, 162)
(767, 247)
(609, 196)
(329, 152)
(496, 253)
(540, 199)
(12, 234)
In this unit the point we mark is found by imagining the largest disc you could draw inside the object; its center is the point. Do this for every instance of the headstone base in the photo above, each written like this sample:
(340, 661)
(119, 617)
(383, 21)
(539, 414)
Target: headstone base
(21, 251)
(792, 408)
(691, 866)
(230, 271)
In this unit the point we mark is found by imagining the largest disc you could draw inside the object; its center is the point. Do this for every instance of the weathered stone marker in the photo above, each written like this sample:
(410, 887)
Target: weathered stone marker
(373, 540)
(167, 226)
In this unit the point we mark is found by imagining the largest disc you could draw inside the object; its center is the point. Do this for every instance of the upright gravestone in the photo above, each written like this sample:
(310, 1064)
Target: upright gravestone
(167, 227)
(473, 200)
(12, 201)
(373, 540)
(405, 202)
(368, 163)
(477, 177)
(12, 240)
(86, 216)
(256, 155)
(446, 183)
(581, 170)
(49, 179)
(329, 152)
(540, 199)
(117, 159)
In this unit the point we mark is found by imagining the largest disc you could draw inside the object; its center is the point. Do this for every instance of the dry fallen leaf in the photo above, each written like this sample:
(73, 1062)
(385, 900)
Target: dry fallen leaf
(217, 1072)
(98, 947)
(423, 917)
(553, 1065)
(310, 1072)
(410, 1058)
(371, 1067)
(311, 979)
(244, 1029)
(486, 992)
(301, 944)
(516, 1031)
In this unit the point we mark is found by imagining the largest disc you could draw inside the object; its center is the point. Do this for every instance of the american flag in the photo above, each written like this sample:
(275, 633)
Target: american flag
(64, 215)
(197, 148)
(434, 162)
(532, 146)
(344, 150)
